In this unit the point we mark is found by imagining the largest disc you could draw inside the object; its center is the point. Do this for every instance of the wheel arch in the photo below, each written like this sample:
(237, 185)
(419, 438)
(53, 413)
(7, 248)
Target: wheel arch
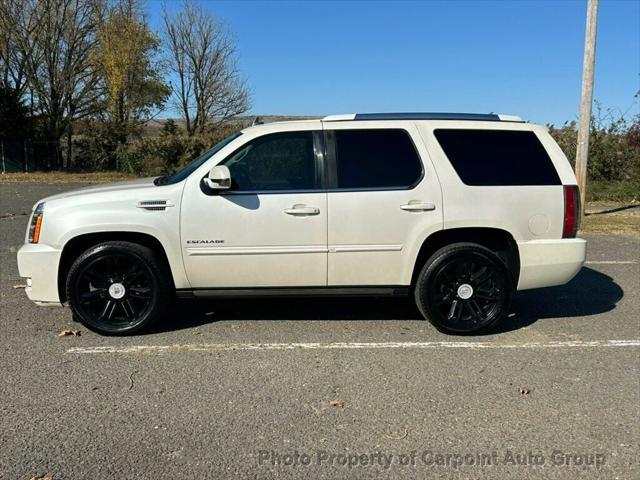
(74, 247)
(497, 240)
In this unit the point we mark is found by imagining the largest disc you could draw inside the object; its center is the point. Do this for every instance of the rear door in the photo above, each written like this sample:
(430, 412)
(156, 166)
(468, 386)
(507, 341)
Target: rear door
(384, 200)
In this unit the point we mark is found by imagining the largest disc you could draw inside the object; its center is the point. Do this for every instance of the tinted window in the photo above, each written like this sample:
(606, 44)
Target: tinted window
(376, 159)
(281, 161)
(497, 157)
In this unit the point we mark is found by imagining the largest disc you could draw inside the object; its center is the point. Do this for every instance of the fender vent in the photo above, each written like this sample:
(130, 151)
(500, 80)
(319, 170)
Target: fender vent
(154, 205)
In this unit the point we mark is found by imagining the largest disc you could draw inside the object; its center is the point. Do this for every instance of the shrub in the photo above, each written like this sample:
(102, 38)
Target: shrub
(171, 150)
(614, 145)
(97, 147)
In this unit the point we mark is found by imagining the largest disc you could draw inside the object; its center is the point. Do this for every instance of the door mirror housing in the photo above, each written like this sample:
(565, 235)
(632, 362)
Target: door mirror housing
(218, 178)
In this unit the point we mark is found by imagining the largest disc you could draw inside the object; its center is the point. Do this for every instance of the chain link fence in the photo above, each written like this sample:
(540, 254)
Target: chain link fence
(29, 155)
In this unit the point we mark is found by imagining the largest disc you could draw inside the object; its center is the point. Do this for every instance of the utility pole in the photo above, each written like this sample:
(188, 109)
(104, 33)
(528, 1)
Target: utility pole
(588, 66)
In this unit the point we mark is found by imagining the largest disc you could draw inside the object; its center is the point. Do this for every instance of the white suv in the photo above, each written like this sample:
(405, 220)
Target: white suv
(458, 210)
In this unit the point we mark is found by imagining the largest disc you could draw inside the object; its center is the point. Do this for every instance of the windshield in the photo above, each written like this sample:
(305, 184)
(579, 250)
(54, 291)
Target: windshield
(195, 164)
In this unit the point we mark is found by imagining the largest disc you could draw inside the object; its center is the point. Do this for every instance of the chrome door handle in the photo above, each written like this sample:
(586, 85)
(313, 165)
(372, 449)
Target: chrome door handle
(417, 206)
(301, 210)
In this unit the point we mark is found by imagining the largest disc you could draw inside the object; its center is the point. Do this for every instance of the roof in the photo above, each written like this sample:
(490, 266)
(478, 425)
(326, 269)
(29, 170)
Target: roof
(490, 117)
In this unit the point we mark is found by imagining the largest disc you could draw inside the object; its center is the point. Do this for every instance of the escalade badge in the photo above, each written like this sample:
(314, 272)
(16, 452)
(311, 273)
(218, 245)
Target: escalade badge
(204, 242)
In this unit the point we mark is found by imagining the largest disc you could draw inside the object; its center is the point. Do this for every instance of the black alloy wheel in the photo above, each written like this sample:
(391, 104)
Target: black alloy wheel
(464, 289)
(117, 288)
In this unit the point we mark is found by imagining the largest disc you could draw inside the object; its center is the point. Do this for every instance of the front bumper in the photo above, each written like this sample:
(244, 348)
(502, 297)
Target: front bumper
(39, 265)
(546, 263)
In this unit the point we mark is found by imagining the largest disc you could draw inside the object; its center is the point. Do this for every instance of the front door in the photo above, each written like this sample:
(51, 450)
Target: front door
(270, 228)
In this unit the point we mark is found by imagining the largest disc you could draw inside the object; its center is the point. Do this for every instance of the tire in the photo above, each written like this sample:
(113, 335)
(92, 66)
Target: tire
(464, 289)
(118, 288)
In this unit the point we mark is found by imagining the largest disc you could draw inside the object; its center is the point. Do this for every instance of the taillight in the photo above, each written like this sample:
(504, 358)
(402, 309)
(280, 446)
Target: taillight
(571, 211)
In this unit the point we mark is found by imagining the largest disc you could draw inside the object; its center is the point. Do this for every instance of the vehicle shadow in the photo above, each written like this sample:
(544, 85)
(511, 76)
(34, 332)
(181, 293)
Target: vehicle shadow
(589, 293)
(192, 313)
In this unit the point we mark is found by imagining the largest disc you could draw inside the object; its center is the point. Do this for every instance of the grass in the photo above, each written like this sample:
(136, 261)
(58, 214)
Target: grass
(612, 223)
(65, 177)
(607, 191)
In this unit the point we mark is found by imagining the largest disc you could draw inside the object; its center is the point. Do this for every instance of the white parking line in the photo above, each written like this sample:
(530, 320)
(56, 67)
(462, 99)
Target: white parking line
(351, 346)
(610, 262)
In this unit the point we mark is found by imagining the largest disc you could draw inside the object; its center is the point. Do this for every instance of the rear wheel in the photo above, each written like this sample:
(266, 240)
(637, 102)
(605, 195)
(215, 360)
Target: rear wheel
(464, 288)
(118, 288)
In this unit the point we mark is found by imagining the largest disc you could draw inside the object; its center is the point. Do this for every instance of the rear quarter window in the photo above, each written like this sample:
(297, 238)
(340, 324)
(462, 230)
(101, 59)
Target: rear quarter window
(497, 157)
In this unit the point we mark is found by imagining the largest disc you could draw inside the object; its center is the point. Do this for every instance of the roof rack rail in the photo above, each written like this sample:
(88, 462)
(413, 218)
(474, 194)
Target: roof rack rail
(491, 117)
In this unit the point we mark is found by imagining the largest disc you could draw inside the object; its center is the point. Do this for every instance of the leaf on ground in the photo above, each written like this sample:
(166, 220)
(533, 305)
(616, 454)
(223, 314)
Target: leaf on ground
(524, 391)
(20, 285)
(69, 332)
(337, 403)
(43, 477)
(397, 435)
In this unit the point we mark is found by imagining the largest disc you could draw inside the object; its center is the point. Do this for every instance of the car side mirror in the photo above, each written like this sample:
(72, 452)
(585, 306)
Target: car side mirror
(218, 178)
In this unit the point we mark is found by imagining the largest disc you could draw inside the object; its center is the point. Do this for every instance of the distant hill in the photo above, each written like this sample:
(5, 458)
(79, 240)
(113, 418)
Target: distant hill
(153, 127)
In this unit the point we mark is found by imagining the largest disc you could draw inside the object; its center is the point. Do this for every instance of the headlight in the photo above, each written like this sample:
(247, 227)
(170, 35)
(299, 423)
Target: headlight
(36, 223)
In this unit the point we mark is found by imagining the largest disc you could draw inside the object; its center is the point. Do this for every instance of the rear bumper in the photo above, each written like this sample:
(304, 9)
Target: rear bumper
(39, 265)
(545, 263)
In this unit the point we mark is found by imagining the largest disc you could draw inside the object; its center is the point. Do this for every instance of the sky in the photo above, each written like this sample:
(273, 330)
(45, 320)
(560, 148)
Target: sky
(516, 57)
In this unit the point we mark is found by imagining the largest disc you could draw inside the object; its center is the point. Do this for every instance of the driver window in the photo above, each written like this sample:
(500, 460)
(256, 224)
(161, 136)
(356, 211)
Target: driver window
(280, 161)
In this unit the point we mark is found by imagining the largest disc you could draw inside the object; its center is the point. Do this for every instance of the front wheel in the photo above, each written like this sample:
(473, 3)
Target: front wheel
(118, 288)
(464, 288)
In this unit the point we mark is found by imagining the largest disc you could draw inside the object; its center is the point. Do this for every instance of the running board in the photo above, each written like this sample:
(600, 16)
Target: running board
(293, 292)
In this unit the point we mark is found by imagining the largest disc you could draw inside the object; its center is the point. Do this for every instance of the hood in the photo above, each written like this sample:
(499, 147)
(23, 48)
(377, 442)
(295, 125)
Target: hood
(140, 183)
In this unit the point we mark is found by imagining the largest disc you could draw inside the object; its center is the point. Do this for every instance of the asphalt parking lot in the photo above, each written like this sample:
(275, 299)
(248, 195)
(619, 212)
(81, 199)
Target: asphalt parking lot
(245, 388)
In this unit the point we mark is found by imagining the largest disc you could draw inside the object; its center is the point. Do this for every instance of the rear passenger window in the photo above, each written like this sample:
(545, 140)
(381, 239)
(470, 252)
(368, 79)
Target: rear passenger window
(377, 158)
(497, 157)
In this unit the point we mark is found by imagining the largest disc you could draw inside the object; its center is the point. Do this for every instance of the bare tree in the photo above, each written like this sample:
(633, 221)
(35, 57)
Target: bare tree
(202, 50)
(12, 69)
(54, 41)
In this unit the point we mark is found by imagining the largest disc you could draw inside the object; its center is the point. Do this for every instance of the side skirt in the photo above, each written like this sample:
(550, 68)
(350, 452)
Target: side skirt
(384, 291)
